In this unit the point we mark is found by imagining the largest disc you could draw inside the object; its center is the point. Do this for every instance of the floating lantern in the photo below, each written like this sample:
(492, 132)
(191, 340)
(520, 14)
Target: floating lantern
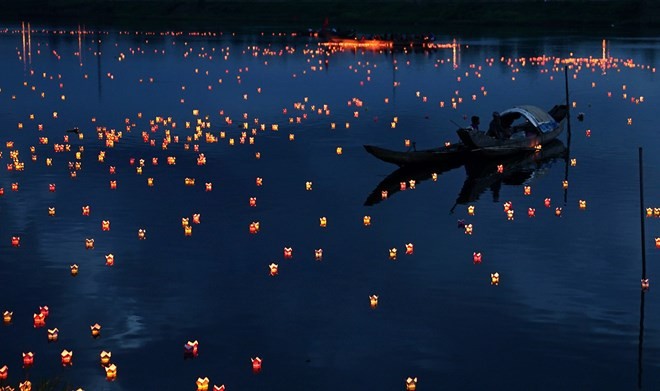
(583, 204)
(44, 311)
(202, 384)
(292, 137)
(67, 358)
(74, 270)
(564, 184)
(573, 162)
(509, 214)
(657, 242)
(113, 185)
(318, 254)
(89, 244)
(254, 227)
(219, 388)
(527, 190)
(142, 234)
(209, 186)
(96, 330)
(256, 364)
(546, 202)
(253, 201)
(272, 269)
(39, 320)
(373, 301)
(383, 194)
(105, 225)
(531, 212)
(507, 206)
(434, 176)
(111, 372)
(468, 229)
(184, 222)
(259, 181)
(6, 317)
(411, 384)
(14, 186)
(649, 212)
(495, 278)
(656, 212)
(85, 210)
(51, 187)
(4, 372)
(53, 334)
(476, 257)
(196, 218)
(470, 210)
(109, 260)
(51, 211)
(500, 168)
(323, 222)
(28, 359)
(308, 186)
(150, 182)
(558, 212)
(105, 358)
(288, 253)
(191, 349)
(25, 386)
(393, 254)
(411, 183)
(588, 132)
(409, 249)
(406, 142)
(339, 150)
(366, 220)
(112, 170)
(402, 186)
(645, 284)
(187, 230)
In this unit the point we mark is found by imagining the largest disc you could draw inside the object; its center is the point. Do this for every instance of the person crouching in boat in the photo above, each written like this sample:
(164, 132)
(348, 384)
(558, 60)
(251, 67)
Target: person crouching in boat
(474, 125)
(496, 129)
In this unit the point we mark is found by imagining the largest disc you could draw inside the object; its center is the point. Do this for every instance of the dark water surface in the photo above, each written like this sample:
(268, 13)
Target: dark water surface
(565, 315)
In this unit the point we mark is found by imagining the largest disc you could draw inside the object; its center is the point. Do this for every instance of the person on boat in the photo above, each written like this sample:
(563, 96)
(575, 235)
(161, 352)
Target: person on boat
(495, 129)
(474, 123)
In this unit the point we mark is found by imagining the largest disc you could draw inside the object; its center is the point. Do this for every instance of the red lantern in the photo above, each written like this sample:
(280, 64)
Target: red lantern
(28, 359)
(112, 170)
(190, 349)
(209, 186)
(44, 311)
(531, 212)
(256, 365)
(67, 358)
(15, 241)
(288, 252)
(409, 249)
(51, 187)
(476, 258)
(85, 210)
(219, 388)
(109, 260)
(402, 186)
(39, 320)
(105, 225)
(273, 269)
(132, 161)
(4, 372)
(113, 185)
(253, 201)
(500, 168)
(254, 227)
(547, 202)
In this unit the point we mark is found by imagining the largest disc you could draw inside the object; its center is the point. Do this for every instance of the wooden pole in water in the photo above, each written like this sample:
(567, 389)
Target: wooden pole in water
(641, 207)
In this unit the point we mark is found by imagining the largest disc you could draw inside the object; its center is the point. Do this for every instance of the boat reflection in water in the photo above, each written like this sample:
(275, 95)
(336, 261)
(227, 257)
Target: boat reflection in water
(482, 173)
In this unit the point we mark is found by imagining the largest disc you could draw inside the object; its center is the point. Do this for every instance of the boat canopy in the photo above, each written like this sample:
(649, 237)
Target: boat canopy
(535, 115)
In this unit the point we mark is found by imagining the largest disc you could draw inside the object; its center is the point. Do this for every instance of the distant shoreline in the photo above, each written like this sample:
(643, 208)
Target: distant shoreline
(520, 16)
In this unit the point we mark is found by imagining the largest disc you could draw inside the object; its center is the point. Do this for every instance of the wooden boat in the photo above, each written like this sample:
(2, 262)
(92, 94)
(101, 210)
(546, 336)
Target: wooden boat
(448, 154)
(529, 127)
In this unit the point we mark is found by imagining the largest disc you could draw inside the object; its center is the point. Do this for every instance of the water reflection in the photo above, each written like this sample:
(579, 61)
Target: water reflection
(482, 174)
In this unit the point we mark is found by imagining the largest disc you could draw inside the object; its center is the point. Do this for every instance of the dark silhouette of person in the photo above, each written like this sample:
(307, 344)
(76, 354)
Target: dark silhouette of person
(474, 122)
(495, 128)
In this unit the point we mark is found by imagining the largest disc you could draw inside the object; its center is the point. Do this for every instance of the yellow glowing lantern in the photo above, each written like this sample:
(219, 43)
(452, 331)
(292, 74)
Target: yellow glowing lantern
(468, 229)
(573, 162)
(373, 301)
(89, 244)
(470, 210)
(393, 254)
(583, 204)
(411, 184)
(111, 372)
(85, 210)
(142, 234)
(339, 150)
(292, 137)
(105, 358)
(272, 269)
(509, 214)
(259, 181)
(150, 182)
(6, 317)
(656, 212)
(564, 184)
(495, 278)
(74, 269)
(202, 384)
(411, 384)
(51, 211)
(187, 230)
(318, 254)
(24, 386)
(527, 190)
(323, 222)
(366, 220)
(649, 212)
(96, 330)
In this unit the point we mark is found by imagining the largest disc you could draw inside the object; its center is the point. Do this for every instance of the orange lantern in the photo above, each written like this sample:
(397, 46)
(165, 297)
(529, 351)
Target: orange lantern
(187, 230)
(111, 372)
(109, 260)
(74, 270)
(202, 384)
(39, 320)
(142, 234)
(564, 184)
(495, 278)
(16, 241)
(85, 210)
(373, 301)
(25, 386)
(411, 384)
(105, 225)
(273, 269)
(6, 317)
(308, 186)
(323, 222)
(318, 254)
(253, 201)
(67, 358)
(366, 220)
(583, 204)
(4, 372)
(527, 190)
(196, 218)
(657, 242)
(89, 244)
(14, 186)
(259, 181)
(558, 212)
(468, 229)
(288, 253)
(113, 185)
(409, 249)
(105, 358)
(96, 330)
(471, 210)
(51, 211)
(254, 227)
(53, 335)
(209, 186)
(509, 214)
(393, 253)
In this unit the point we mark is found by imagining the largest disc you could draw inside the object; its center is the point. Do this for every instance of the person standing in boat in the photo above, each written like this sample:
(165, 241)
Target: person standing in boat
(474, 122)
(495, 129)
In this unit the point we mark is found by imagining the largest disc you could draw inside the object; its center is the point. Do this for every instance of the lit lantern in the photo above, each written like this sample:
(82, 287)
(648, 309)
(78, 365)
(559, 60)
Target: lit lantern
(531, 212)
(434, 177)
(564, 184)
(51, 187)
(476, 257)
(272, 269)
(142, 234)
(14, 186)
(113, 185)
(402, 186)
(558, 212)
(411, 183)
(74, 270)
(202, 384)
(288, 253)
(373, 301)
(411, 384)
(588, 132)
(105, 358)
(44, 311)
(96, 330)
(39, 320)
(28, 359)
(6, 317)
(366, 220)
(196, 218)
(49, 161)
(16, 241)
(406, 142)
(209, 186)
(4, 372)
(318, 254)
(259, 181)
(67, 358)
(53, 334)
(292, 137)
(649, 212)
(25, 386)
(89, 244)
(184, 222)
(546, 202)
(323, 222)
(154, 161)
(105, 225)
(253, 201)
(257, 155)
(507, 206)
(256, 364)
(495, 278)
(500, 168)
(468, 229)
(409, 249)
(219, 388)
(150, 182)
(573, 162)
(393, 254)
(308, 186)
(339, 150)
(187, 230)
(509, 214)
(527, 190)
(51, 211)
(645, 284)
(109, 260)
(657, 242)
(191, 349)
(138, 170)
(254, 227)
(656, 212)
(112, 170)
(383, 194)
(111, 372)
(583, 204)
